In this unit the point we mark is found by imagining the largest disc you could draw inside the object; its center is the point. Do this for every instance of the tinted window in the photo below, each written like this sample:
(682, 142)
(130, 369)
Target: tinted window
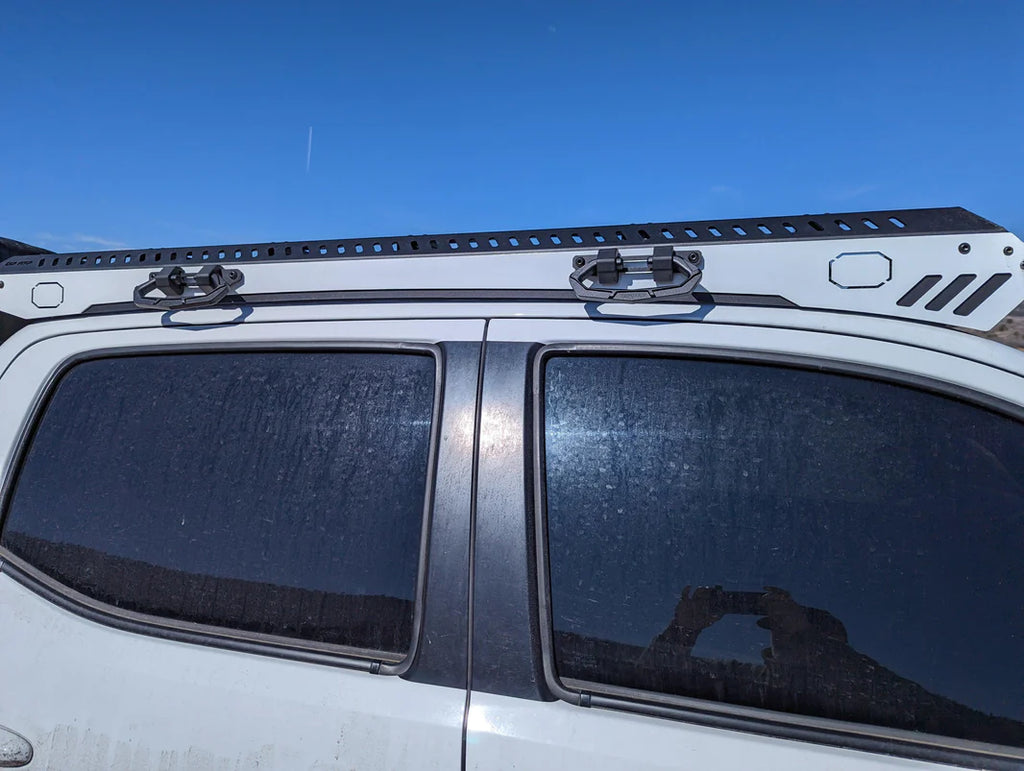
(280, 493)
(800, 541)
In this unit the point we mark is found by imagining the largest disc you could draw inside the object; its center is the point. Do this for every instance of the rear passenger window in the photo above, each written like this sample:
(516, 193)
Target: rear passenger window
(280, 493)
(812, 543)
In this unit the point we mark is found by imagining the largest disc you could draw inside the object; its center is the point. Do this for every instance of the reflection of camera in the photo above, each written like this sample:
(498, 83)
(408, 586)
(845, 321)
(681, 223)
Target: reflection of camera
(722, 602)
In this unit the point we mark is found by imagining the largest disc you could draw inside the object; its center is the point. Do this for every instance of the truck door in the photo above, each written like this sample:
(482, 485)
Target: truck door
(236, 545)
(747, 545)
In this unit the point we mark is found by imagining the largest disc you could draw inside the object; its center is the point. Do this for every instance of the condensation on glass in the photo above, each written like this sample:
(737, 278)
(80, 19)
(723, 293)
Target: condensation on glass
(801, 541)
(272, 492)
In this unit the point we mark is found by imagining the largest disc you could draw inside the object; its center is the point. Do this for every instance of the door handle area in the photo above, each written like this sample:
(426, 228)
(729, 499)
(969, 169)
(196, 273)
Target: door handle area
(15, 750)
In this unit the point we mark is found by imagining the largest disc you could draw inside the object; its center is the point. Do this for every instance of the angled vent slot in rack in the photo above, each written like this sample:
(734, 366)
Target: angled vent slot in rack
(952, 290)
(955, 287)
(919, 290)
(982, 293)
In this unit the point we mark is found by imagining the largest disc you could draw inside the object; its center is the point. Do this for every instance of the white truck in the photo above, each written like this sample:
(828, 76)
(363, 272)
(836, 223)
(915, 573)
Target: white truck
(708, 495)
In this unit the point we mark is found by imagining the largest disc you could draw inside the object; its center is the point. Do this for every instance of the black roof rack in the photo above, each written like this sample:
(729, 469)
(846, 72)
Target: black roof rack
(11, 248)
(765, 229)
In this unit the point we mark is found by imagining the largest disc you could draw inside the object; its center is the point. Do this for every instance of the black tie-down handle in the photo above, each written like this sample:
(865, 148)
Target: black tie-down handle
(674, 272)
(217, 282)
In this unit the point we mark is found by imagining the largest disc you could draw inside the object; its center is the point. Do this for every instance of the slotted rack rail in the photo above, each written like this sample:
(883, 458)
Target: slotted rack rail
(765, 229)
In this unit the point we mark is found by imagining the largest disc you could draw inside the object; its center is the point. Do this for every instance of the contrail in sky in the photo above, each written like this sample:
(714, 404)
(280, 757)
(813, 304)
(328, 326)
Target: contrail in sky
(309, 149)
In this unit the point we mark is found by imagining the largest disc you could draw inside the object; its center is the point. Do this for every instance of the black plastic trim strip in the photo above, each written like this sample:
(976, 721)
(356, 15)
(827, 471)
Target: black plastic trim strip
(10, 324)
(474, 486)
(442, 295)
(506, 637)
(377, 662)
(894, 746)
(443, 653)
(982, 293)
(905, 222)
(733, 717)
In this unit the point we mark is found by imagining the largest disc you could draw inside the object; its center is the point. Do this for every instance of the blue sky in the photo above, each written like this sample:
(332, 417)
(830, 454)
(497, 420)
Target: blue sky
(159, 124)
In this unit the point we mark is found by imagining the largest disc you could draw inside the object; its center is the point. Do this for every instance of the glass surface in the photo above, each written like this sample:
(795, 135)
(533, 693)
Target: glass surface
(801, 541)
(280, 493)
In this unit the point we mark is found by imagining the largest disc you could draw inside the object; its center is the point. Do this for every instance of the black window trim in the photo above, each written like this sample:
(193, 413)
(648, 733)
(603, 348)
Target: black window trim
(296, 649)
(837, 733)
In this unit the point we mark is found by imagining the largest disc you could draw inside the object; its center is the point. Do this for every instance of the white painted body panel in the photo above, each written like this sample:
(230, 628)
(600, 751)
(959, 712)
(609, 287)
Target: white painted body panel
(92, 697)
(512, 733)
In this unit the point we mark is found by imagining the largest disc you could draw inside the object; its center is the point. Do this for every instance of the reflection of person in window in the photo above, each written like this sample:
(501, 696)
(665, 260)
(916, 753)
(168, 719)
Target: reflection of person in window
(809, 668)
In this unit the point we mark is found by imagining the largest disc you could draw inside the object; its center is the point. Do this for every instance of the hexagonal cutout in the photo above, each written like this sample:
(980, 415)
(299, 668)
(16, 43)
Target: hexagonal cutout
(860, 270)
(48, 294)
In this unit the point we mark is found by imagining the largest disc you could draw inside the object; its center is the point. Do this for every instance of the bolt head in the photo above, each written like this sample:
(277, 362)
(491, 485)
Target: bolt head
(965, 248)
(578, 262)
(693, 257)
(1007, 250)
